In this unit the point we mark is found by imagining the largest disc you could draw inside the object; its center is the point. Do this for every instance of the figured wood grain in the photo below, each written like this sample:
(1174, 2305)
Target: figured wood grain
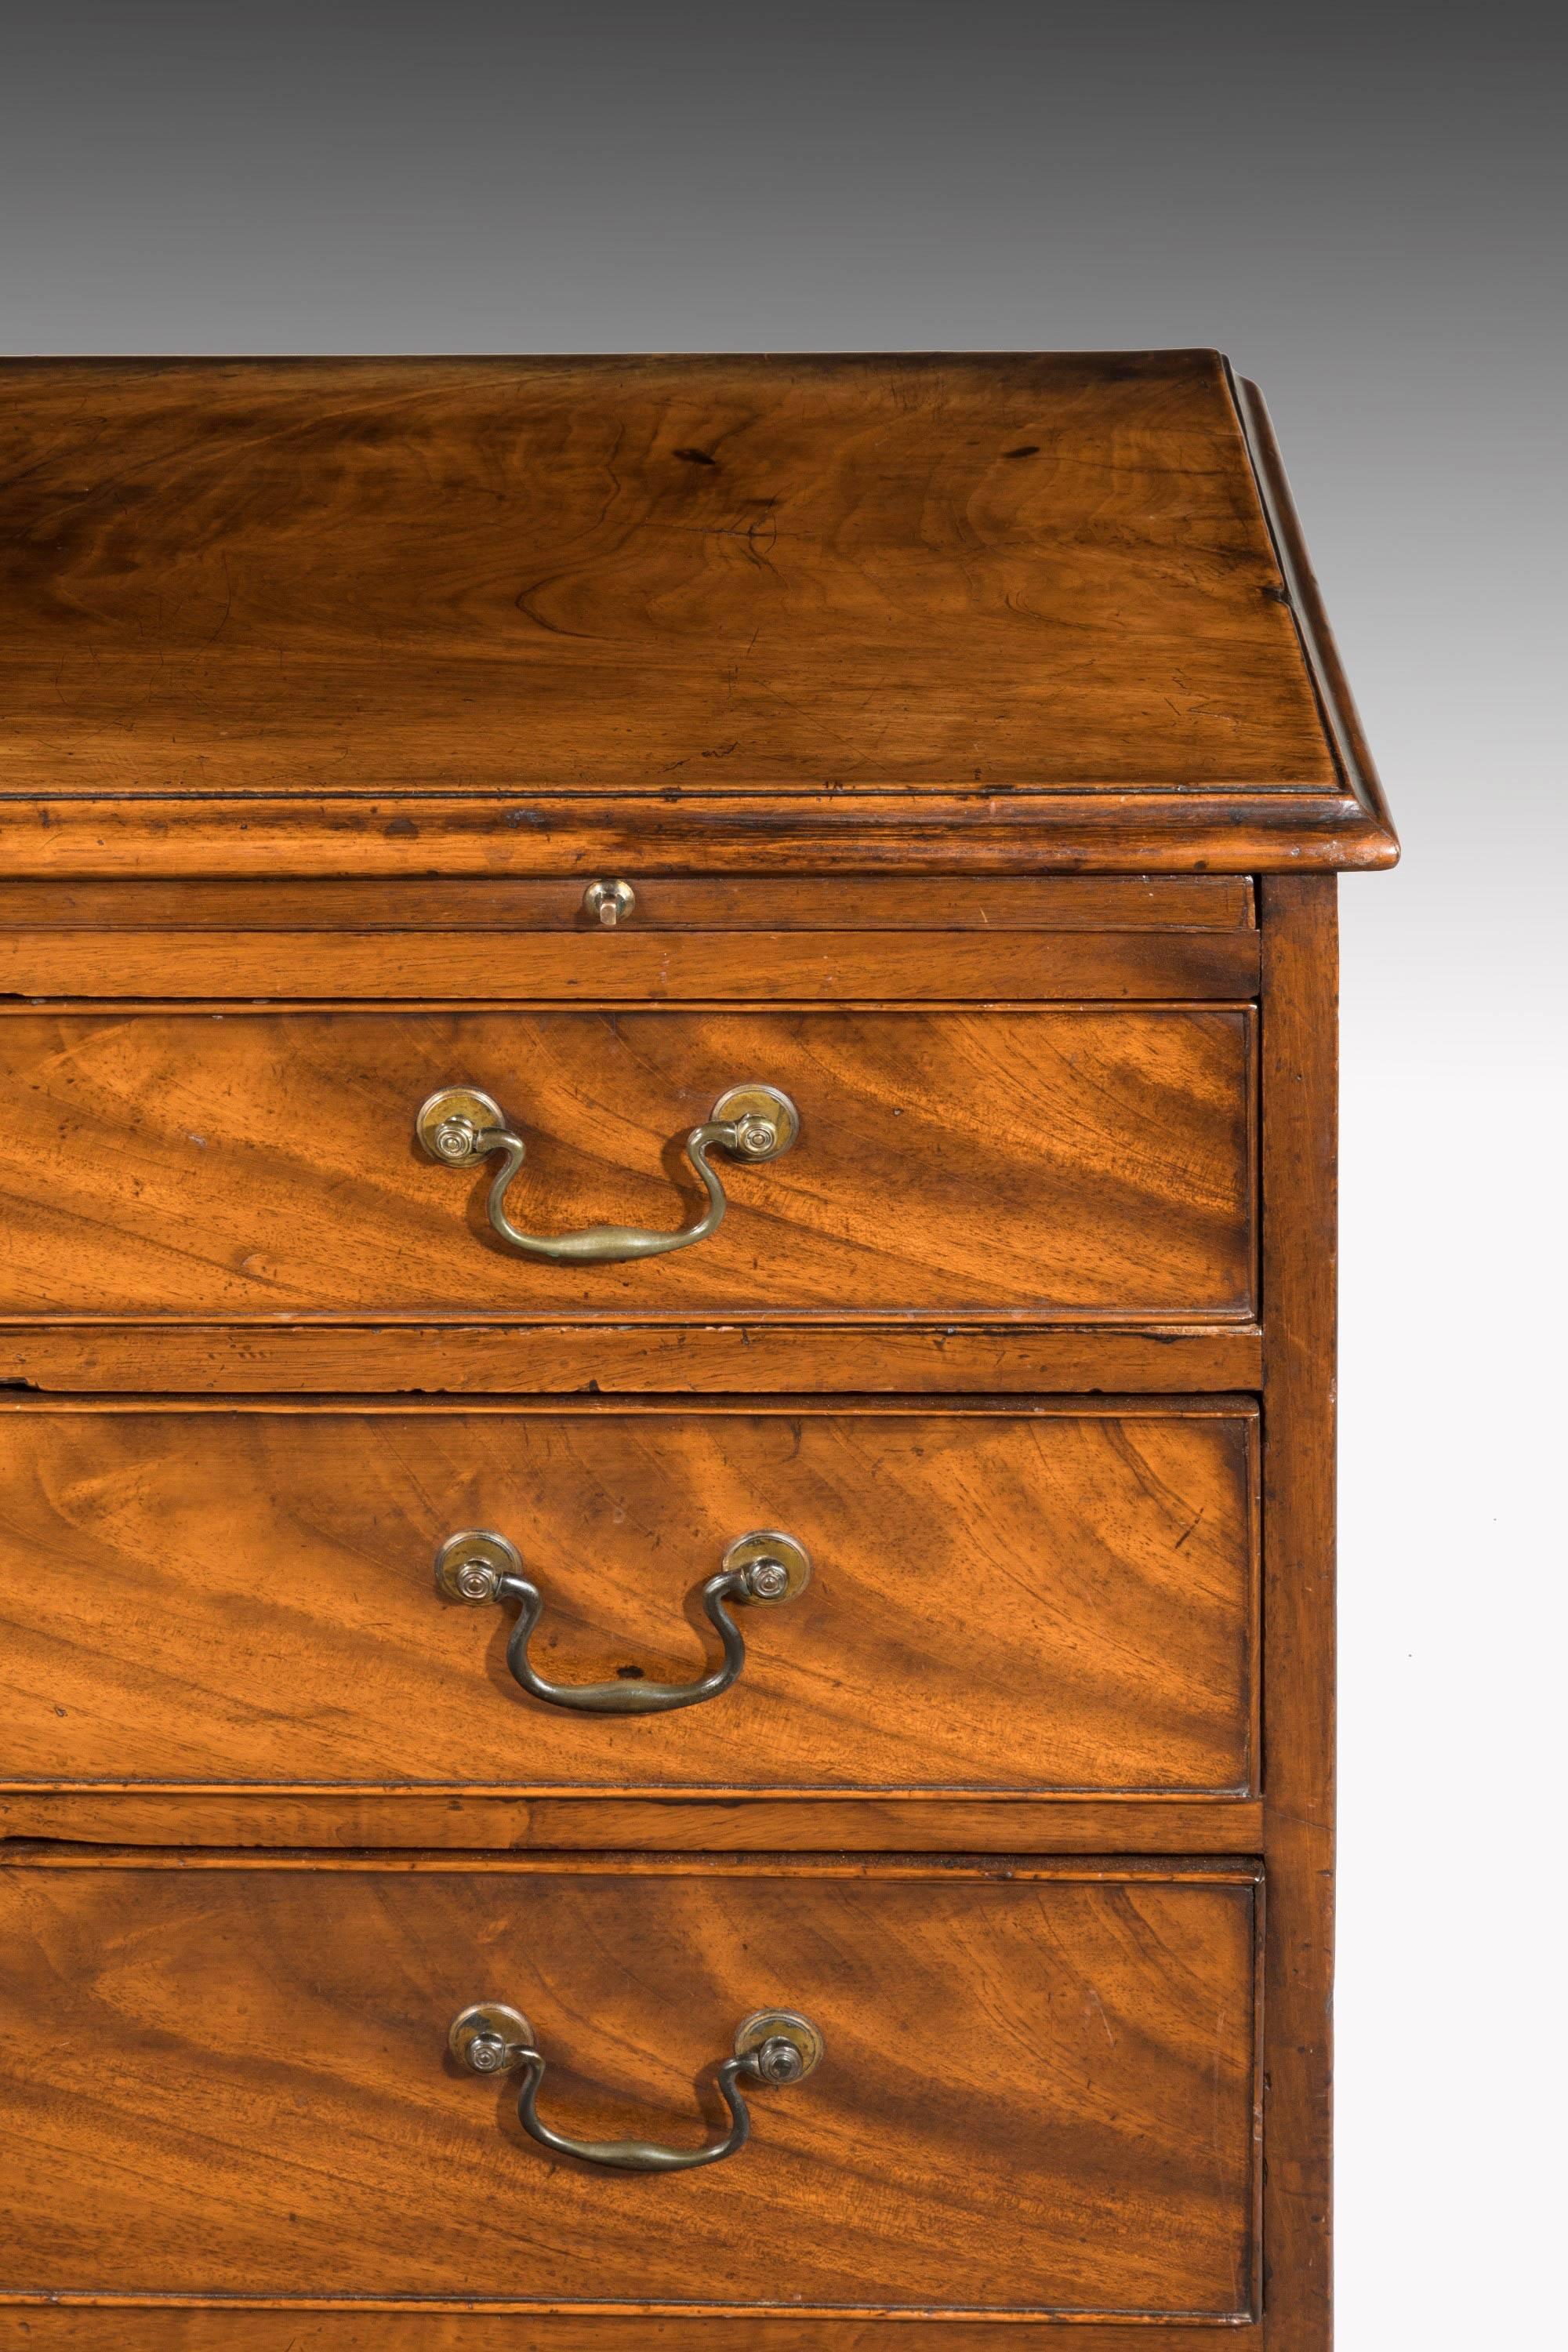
(556, 1358)
(1009, 1599)
(720, 573)
(977, 788)
(1073, 1164)
(1078, 2138)
(605, 967)
(1299, 1147)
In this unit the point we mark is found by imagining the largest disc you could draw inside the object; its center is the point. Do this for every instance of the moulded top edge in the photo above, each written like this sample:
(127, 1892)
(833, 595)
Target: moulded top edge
(759, 585)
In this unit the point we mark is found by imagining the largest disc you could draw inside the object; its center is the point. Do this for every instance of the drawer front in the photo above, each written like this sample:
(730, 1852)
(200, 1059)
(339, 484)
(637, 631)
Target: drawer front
(739, 907)
(1038, 1597)
(1037, 2091)
(785, 940)
(254, 1165)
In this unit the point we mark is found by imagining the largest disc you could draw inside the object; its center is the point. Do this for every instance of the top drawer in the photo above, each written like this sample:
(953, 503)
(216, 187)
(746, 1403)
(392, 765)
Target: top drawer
(1068, 1163)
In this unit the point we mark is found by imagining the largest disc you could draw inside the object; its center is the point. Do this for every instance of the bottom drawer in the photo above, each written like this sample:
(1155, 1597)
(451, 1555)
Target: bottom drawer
(228, 2077)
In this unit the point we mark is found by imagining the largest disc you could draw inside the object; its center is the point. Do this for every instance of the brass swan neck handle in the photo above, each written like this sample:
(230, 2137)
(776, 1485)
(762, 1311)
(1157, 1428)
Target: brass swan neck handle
(460, 1127)
(480, 1566)
(774, 2046)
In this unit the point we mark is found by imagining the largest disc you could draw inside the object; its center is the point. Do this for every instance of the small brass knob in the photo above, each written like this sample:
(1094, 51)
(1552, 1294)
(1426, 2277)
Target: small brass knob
(768, 1580)
(474, 1580)
(469, 1567)
(455, 1126)
(454, 1140)
(779, 2061)
(609, 902)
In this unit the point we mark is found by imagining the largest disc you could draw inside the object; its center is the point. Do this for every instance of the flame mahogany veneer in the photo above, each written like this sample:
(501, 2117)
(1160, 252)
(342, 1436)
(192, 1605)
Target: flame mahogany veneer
(971, 739)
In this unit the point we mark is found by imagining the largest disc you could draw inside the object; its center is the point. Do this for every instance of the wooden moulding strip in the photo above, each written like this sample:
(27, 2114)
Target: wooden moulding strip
(294, 836)
(473, 1821)
(1336, 704)
(769, 967)
(1179, 2331)
(240, 1007)
(116, 2325)
(1062, 1406)
(618, 1358)
(939, 1870)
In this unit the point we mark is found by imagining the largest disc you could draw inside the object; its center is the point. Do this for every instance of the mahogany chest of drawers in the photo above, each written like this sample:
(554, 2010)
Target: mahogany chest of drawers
(666, 1415)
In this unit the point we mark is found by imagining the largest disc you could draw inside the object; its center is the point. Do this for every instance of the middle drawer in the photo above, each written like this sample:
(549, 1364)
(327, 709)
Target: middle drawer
(1039, 1595)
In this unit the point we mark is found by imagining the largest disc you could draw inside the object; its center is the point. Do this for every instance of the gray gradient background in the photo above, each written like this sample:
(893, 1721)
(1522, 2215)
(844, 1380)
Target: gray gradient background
(1366, 208)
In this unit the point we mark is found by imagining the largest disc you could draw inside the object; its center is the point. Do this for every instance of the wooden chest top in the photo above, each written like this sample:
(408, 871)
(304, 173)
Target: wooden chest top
(692, 580)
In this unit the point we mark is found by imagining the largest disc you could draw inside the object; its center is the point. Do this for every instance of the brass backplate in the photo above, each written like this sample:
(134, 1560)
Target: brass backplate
(781, 2025)
(490, 2017)
(768, 1544)
(453, 1103)
(470, 1566)
(757, 1101)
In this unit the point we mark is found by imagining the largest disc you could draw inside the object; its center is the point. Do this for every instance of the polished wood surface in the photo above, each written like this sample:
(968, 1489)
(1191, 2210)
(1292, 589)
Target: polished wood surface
(1342, 720)
(875, 938)
(1075, 1164)
(707, 1359)
(1038, 2093)
(734, 904)
(582, 835)
(984, 790)
(116, 2326)
(765, 966)
(1042, 1597)
(1300, 1139)
(495, 575)
(932, 1821)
